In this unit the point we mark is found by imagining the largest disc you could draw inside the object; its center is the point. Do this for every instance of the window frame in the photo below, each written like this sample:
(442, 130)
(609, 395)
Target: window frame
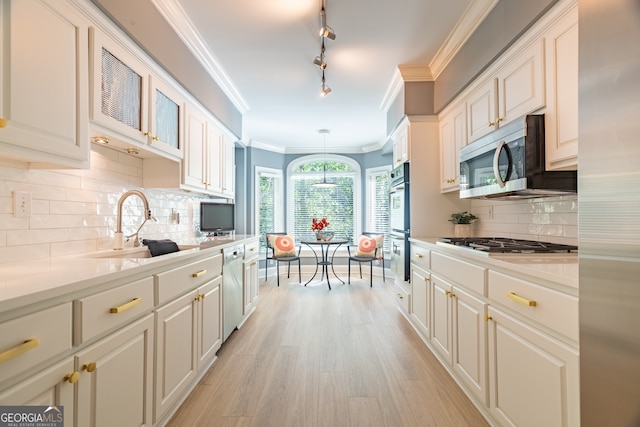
(357, 184)
(370, 175)
(278, 198)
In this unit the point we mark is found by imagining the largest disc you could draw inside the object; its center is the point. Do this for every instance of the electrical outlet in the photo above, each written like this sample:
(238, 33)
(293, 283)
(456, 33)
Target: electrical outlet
(21, 204)
(490, 212)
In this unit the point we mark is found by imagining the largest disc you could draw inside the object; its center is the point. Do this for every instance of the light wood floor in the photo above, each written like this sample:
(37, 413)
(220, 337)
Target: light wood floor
(310, 357)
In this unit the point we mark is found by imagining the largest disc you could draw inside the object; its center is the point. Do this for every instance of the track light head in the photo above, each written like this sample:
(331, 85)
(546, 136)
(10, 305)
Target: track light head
(327, 33)
(325, 90)
(325, 30)
(319, 61)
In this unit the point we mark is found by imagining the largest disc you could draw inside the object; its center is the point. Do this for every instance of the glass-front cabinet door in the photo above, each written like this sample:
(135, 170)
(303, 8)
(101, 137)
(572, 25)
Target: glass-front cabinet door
(130, 104)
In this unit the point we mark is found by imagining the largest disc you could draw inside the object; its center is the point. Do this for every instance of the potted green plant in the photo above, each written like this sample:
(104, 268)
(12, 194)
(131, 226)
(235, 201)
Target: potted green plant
(463, 223)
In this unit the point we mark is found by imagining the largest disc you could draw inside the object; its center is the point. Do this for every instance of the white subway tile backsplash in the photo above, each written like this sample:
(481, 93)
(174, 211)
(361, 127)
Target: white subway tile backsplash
(74, 211)
(552, 219)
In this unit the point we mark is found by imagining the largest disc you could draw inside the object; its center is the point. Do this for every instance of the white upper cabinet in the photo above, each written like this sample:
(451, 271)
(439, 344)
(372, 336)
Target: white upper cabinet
(43, 75)
(129, 104)
(400, 139)
(228, 165)
(453, 136)
(516, 89)
(561, 115)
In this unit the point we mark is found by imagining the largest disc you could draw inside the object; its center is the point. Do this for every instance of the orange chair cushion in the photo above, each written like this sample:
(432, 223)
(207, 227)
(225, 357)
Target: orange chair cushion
(367, 246)
(282, 245)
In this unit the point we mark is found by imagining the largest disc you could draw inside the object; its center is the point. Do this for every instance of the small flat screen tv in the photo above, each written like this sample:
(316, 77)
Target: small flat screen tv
(217, 217)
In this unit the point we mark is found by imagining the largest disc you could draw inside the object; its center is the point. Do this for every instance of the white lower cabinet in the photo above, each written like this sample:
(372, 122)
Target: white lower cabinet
(534, 378)
(459, 334)
(469, 352)
(420, 303)
(116, 378)
(510, 343)
(189, 332)
(51, 387)
(250, 282)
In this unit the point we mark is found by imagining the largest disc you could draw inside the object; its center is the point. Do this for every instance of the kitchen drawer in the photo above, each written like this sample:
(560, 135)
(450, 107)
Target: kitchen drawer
(420, 256)
(30, 340)
(460, 272)
(401, 296)
(251, 249)
(548, 307)
(106, 310)
(173, 283)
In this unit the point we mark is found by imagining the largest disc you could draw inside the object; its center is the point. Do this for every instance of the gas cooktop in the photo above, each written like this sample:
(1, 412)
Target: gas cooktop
(508, 245)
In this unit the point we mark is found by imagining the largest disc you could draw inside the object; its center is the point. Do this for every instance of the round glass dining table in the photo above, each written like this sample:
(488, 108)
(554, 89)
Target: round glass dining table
(324, 260)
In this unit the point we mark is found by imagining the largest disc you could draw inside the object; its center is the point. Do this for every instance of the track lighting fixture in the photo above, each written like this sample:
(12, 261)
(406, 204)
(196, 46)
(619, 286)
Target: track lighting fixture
(325, 89)
(325, 30)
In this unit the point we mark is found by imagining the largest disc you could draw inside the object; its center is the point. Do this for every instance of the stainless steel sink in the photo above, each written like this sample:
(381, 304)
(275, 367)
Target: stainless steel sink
(141, 252)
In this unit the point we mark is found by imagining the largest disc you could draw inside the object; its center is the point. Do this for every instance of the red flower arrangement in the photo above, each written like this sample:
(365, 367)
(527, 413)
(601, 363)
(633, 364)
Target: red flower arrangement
(319, 225)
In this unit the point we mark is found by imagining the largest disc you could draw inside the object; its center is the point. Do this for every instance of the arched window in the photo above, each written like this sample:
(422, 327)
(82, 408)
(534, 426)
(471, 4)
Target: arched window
(341, 205)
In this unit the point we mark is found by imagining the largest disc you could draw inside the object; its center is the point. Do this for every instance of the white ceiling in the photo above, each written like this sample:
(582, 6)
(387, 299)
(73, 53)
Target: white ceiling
(261, 53)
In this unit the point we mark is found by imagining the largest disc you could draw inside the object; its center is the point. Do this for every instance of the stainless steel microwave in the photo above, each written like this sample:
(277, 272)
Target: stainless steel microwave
(510, 163)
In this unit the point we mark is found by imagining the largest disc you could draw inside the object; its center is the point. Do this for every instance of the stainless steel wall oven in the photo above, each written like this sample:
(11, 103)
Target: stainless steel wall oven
(399, 221)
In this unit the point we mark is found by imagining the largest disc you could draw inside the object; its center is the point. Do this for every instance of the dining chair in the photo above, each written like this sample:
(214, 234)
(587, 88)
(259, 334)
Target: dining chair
(281, 248)
(368, 250)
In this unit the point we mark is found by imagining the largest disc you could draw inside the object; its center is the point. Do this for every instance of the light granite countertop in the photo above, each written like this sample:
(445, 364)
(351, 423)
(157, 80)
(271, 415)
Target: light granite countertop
(560, 269)
(36, 281)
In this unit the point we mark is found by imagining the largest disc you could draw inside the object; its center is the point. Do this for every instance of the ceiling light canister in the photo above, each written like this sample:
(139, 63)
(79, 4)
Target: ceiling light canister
(319, 61)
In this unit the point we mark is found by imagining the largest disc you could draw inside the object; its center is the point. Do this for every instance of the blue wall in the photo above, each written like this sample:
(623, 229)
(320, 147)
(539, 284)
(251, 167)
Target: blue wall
(258, 157)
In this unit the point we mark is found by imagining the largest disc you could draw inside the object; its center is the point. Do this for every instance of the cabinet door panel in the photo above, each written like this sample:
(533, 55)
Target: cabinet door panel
(420, 310)
(46, 388)
(441, 319)
(469, 343)
(534, 378)
(118, 391)
(521, 89)
(175, 351)
(209, 322)
(482, 110)
(194, 160)
(44, 57)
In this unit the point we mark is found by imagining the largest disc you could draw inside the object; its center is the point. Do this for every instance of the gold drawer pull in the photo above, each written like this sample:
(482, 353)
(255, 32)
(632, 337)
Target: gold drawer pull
(199, 273)
(520, 300)
(126, 306)
(419, 255)
(3, 122)
(19, 349)
(89, 367)
(72, 378)
(400, 296)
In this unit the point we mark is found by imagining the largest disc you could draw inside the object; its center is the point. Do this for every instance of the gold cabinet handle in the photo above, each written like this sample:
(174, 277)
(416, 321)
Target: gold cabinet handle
(147, 134)
(72, 378)
(420, 256)
(520, 300)
(156, 138)
(400, 296)
(199, 273)
(487, 318)
(89, 367)
(492, 123)
(426, 279)
(3, 123)
(125, 306)
(19, 349)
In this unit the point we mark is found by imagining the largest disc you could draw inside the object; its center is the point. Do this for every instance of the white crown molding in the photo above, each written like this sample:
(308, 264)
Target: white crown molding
(476, 12)
(396, 85)
(184, 28)
(415, 73)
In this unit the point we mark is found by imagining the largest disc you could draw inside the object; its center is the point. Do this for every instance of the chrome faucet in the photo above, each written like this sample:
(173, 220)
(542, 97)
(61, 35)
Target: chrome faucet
(118, 236)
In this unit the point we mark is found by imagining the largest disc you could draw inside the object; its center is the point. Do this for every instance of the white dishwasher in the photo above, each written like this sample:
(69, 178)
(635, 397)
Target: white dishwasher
(231, 289)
